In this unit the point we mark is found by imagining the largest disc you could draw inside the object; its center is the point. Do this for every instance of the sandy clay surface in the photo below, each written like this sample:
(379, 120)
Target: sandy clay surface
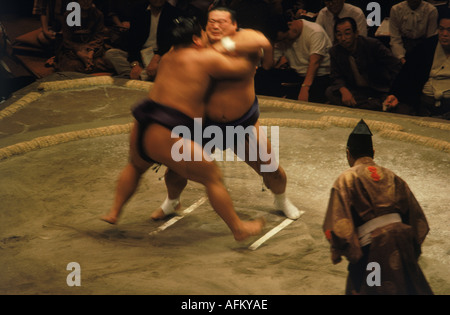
(51, 199)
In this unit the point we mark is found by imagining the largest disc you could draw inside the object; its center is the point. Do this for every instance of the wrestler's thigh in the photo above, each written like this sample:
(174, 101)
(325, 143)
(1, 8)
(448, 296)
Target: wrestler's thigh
(258, 152)
(159, 144)
(135, 159)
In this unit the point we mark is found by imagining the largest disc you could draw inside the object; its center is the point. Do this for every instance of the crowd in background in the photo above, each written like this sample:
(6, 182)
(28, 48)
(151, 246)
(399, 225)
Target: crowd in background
(325, 51)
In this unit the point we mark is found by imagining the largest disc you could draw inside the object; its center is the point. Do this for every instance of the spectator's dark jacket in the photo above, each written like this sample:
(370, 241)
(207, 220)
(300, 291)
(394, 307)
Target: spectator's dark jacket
(375, 62)
(140, 29)
(415, 73)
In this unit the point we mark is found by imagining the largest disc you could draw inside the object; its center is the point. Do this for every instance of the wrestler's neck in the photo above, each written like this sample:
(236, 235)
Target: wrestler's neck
(197, 43)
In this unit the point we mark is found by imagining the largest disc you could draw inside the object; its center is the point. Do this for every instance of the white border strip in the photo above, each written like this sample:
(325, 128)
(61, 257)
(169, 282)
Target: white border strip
(172, 221)
(271, 233)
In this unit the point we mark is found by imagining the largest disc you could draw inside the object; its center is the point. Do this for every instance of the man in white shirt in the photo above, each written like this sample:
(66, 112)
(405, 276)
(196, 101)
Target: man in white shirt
(305, 47)
(339, 9)
(410, 22)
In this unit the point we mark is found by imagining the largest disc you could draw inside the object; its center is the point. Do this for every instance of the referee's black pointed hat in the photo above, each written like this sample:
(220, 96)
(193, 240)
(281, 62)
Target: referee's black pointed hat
(360, 140)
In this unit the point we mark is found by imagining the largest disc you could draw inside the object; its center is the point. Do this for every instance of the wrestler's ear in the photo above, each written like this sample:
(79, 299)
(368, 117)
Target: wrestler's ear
(198, 41)
(204, 38)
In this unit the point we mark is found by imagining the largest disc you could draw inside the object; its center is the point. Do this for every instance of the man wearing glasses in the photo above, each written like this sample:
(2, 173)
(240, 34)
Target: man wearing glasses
(337, 9)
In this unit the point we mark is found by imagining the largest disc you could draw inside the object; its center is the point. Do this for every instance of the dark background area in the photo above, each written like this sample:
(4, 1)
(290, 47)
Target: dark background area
(21, 7)
(16, 19)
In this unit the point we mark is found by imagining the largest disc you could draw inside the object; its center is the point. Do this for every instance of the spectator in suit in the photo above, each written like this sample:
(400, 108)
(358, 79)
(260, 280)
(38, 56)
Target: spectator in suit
(51, 15)
(362, 68)
(411, 22)
(424, 82)
(149, 39)
(336, 9)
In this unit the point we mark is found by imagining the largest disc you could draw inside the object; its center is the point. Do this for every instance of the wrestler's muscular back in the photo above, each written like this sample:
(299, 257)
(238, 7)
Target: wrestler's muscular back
(231, 99)
(182, 82)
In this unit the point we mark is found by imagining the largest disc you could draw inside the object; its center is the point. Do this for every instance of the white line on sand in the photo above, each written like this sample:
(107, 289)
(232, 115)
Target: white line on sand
(172, 221)
(271, 233)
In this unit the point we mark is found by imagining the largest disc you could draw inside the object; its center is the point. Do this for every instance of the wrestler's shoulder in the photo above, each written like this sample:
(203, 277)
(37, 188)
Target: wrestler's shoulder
(200, 55)
(248, 32)
(209, 55)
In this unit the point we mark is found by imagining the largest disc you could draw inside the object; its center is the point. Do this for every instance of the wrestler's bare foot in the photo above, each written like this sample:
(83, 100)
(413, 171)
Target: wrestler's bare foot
(111, 219)
(159, 213)
(249, 228)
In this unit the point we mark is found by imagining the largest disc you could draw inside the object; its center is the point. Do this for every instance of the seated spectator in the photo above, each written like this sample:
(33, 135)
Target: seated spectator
(411, 22)
(336, 9)
(51, 14)
(362, 69)
(82, 48)
(381, 10)
(305, 48)
(424, 82)
(149, 39)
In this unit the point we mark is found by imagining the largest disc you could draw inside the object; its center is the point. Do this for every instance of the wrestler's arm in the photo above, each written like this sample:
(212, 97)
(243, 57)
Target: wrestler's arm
(220, 66)
(248, 41)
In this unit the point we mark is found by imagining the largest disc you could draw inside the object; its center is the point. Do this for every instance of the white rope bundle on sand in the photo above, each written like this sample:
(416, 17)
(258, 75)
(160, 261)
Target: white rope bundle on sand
(294, 123)
(76, 83)
(417, 139)
(139, 85)
(347, 122)
(431, 124)
(21, 103)
(48, 141)
(299, 107)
